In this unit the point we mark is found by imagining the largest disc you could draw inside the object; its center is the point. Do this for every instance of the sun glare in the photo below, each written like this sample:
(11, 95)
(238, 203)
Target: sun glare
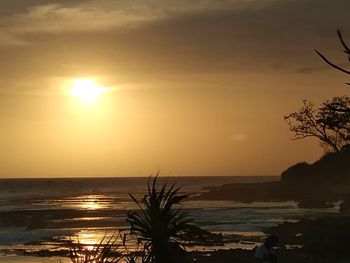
(86, 91)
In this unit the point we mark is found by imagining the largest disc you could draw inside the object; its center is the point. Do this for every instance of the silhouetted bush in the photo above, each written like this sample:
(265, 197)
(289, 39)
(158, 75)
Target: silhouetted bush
(104, 252)
(159, 224)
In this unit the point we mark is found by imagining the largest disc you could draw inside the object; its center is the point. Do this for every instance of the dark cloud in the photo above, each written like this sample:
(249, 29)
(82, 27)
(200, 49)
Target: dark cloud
(276, 36)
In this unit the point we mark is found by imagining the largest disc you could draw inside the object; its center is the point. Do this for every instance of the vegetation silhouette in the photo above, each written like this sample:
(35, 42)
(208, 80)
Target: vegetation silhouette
(104, 252)
(159, 232)
(330, 122)
(159, 224)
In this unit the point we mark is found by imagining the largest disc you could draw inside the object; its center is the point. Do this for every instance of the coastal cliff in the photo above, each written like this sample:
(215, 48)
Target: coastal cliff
(316, 184)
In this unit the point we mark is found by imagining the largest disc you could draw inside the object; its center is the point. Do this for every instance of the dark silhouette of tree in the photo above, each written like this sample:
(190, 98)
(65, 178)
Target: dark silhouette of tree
(159, 224)
(318, 123)
(336, 115)
(330, 122)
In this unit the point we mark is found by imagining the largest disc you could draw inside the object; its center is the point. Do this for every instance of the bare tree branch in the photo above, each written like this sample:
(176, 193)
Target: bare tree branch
(332, 64)
(347, 49)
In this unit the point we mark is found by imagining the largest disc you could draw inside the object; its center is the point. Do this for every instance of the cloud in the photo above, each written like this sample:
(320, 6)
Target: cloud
(55, 18)
(158, 39)
(104, 15)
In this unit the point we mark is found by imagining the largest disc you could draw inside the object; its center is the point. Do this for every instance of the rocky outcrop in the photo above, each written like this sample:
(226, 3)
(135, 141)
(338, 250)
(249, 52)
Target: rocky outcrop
(333, 169)
(312, 185)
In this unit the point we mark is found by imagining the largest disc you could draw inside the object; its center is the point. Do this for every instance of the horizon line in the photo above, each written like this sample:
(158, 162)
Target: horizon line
(115, 177)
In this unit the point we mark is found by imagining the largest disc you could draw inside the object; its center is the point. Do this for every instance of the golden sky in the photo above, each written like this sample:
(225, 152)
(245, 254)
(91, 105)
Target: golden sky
(187, 87)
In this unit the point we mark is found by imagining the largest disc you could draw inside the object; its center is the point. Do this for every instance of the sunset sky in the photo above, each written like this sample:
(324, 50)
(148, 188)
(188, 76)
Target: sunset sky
(182, 87)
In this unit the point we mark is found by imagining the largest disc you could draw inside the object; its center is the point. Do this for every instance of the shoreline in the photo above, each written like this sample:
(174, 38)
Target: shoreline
(218, 256)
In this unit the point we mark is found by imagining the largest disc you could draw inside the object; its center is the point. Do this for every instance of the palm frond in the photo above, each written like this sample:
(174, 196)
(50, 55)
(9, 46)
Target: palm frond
(103, 252)
(159, 222)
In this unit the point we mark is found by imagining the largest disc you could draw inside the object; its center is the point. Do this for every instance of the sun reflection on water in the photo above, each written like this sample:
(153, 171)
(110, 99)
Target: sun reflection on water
(90, 238)
(95, 246)
(91, 202)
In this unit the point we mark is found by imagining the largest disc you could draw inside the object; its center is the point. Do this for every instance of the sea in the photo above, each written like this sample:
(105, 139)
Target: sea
(38, 216)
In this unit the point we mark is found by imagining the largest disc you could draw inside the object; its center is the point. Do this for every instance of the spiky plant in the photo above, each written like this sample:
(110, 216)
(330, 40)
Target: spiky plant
(100, 253)
(159, 223)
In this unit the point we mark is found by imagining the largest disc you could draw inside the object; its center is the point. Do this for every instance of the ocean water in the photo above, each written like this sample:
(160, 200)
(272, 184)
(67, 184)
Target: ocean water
(41, 214)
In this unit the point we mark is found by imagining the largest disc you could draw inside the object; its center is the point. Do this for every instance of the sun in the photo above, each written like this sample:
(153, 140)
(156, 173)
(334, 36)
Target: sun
(86, 91)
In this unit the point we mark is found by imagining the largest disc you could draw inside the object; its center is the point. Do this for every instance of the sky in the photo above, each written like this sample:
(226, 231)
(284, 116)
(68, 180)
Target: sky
(196, 87)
